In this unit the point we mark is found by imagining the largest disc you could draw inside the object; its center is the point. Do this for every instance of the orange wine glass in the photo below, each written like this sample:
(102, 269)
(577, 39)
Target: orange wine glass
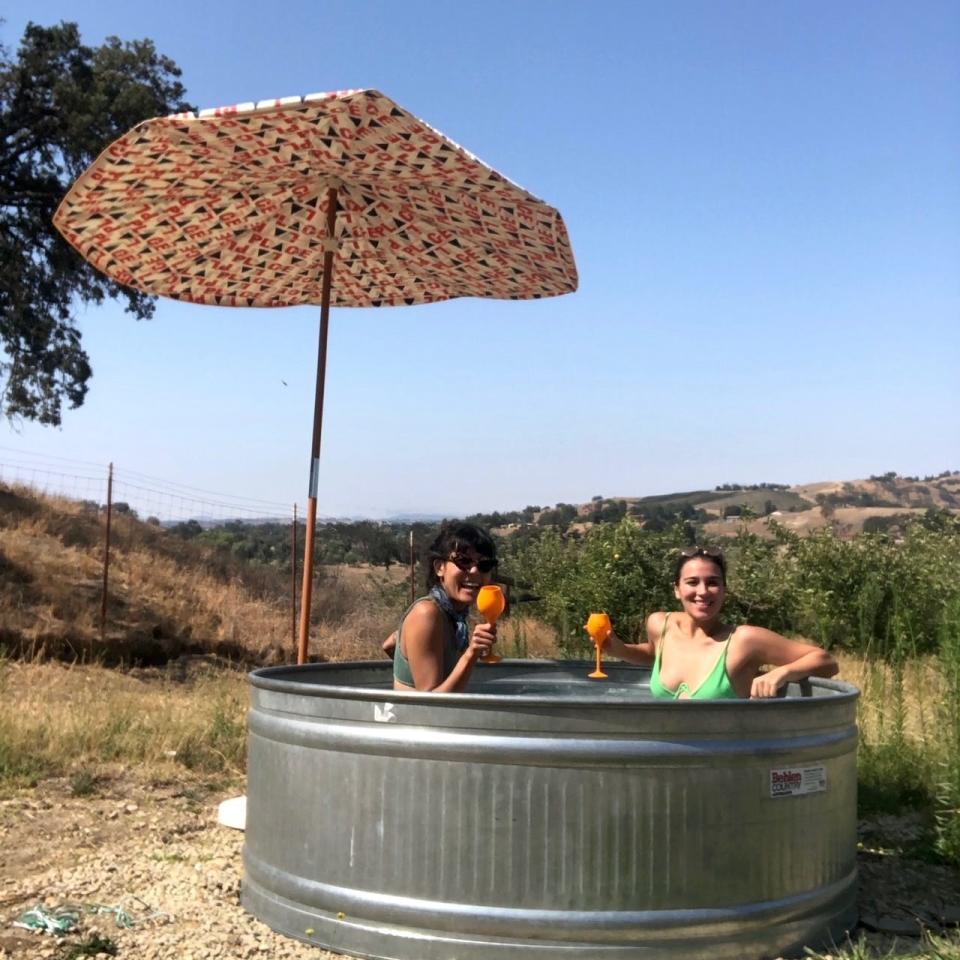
(599, 628)
(490, 604)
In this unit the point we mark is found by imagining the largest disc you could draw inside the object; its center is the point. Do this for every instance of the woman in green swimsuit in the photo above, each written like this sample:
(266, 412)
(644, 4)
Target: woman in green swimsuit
(434, 648)
(697, 657)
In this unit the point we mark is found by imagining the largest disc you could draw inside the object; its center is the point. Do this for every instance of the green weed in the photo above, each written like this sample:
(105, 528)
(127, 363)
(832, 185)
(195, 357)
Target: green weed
(84, 783)
(90, 947)
(931, 947)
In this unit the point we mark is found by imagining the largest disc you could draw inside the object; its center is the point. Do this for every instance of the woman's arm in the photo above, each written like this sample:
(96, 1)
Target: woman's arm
(422, 640)
(791, 659)
(643, 653)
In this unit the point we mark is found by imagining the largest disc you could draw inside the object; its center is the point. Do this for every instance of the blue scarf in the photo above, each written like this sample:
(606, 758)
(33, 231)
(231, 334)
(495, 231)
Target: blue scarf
(459, 617)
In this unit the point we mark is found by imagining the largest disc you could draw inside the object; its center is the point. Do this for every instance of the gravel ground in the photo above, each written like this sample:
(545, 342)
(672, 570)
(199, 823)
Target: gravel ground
(156, 849)
(152, 849)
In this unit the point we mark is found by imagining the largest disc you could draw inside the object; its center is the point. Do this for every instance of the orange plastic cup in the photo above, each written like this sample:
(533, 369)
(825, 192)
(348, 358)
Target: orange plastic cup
(599, 627)
(490, 604)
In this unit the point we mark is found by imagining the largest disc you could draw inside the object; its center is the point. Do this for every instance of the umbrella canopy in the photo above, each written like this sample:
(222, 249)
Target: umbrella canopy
(336, 198)
(228, 208)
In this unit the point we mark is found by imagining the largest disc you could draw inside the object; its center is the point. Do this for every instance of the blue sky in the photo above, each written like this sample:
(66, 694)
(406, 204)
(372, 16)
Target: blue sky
(764, 205)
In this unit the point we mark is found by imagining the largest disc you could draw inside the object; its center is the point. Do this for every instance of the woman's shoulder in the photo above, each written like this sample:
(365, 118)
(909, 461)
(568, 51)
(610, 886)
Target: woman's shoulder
(423, 612)
(657, 623)
(750, 635)
(661, 617)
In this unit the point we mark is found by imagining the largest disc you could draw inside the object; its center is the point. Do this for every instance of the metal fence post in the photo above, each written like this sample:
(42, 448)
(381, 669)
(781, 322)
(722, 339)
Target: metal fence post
(293, 574)
(106, 556)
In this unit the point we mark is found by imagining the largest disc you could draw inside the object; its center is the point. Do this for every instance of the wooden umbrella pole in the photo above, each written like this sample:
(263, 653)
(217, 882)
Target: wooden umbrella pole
(307, 589)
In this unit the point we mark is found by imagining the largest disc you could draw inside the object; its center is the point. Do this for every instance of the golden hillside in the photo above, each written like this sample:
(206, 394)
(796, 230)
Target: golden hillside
(167, 597)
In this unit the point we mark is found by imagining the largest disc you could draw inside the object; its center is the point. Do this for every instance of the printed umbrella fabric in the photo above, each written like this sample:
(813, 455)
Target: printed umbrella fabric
(229, 207)
(341, 199)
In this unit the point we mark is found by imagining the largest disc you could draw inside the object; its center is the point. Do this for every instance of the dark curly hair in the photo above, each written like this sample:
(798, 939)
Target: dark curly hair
(453, 537)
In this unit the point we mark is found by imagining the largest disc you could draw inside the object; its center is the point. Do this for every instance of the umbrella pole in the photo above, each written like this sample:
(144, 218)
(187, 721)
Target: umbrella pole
(317, 428)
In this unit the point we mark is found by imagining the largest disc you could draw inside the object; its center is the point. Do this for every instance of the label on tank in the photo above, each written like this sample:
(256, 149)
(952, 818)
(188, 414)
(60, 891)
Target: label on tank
(797, 781)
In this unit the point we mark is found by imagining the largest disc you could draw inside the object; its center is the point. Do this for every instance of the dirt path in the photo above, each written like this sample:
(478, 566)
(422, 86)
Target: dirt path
(156, 848)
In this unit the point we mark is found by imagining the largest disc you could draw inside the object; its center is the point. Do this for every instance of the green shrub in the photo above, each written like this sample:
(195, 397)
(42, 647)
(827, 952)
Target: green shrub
(873, 594)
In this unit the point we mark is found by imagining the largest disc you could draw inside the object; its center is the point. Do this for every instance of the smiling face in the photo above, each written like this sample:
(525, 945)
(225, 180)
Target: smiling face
(462, 585)
(700, 588)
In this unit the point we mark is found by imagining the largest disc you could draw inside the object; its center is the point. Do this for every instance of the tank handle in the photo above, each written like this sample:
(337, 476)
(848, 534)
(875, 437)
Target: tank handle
(806, 688)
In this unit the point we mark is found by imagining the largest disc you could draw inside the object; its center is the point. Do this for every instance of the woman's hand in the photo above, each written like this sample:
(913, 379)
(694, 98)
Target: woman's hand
(766, 685)
(483, 638)
(613, 645)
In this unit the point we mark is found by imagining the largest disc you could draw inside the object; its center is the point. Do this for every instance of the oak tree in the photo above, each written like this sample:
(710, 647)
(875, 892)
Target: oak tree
(61, 103)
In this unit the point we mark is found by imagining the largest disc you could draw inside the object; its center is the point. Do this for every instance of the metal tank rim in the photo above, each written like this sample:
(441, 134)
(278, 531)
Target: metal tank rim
(278, 679)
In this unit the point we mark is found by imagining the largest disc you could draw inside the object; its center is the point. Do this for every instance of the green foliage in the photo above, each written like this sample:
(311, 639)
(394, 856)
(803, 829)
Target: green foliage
(93, 946)
(759, 499)
(929, 947)
(871, 594)
(947, 810)
(61, 103)
(619, 568)
(221, 745)
(84, 783)
(364, 541)
(892, 777)
(727, 487)
(888, 524)
(21, 766)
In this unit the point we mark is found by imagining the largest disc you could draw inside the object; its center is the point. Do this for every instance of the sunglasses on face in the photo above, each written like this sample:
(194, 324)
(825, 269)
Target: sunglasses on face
(711, 553)
(483, 564)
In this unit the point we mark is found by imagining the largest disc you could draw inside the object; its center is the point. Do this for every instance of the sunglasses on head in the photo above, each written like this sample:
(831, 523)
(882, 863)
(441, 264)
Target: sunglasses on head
(711, 553)
(483, 564)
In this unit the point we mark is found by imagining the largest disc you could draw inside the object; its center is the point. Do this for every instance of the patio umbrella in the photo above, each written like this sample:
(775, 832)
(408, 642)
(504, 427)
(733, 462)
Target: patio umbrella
(342, 199)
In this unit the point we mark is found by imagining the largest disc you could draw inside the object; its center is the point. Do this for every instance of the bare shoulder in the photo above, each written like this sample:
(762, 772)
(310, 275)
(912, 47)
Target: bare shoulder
(655, 623)
(423, 615)
(747, 633)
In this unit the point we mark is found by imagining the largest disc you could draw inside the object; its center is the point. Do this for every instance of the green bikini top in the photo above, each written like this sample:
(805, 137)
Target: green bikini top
(716, 685)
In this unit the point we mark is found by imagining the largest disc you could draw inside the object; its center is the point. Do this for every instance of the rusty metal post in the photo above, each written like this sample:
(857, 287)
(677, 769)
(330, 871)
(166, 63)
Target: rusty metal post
(106, 556)
(293, 575)
(310, 532)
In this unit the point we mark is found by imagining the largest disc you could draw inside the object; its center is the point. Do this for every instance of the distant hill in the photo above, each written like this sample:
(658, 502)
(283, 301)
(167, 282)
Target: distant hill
(229, 590)
(878, 502)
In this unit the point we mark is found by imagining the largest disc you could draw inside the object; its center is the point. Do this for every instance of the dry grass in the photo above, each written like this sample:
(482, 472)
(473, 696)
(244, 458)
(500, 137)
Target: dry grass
(84, 720)
(888, 705)
(166, 596)
(169, 597)
(58, 720)
(523, 636)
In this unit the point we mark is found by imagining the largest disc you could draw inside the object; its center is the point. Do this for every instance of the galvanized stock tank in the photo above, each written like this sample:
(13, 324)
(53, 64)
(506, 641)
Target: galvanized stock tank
(546, 815)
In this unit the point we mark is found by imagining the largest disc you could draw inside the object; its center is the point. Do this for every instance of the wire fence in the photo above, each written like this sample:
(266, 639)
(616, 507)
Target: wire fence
(163, 501)
(246, 596)
(173, 513)
(113, 494)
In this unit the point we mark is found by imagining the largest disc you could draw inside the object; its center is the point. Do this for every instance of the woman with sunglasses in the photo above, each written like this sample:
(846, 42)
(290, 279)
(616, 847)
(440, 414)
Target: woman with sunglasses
(696, 656)
(435, 649)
